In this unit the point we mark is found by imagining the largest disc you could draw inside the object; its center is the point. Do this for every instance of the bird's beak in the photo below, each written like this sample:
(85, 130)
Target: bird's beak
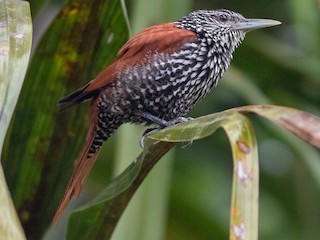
(253, 24)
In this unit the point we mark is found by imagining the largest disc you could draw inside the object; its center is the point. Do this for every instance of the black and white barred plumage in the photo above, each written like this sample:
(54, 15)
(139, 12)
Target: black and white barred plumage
(158, 76)
(169, 85)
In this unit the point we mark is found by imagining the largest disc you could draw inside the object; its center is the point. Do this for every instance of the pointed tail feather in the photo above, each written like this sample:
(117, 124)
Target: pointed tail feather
(82, 167)
(80, 174)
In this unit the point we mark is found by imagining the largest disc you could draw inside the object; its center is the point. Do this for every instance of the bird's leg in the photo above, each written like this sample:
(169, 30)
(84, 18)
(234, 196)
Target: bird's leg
(162, 124)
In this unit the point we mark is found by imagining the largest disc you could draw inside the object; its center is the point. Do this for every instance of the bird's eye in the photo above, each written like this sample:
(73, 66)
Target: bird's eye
(223, 18)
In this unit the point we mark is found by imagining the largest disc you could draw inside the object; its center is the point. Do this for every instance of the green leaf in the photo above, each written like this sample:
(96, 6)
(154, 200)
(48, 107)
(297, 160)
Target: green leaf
(305, 125)
(245, 181)
(194, 129)
(42, 144)
(15, 47)
(245, 187)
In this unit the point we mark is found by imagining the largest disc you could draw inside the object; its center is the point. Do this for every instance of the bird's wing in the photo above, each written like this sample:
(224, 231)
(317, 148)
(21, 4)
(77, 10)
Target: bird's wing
(163, 38)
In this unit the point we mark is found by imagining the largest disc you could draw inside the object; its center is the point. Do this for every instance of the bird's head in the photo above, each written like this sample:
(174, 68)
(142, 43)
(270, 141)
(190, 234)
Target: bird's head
(222, 26)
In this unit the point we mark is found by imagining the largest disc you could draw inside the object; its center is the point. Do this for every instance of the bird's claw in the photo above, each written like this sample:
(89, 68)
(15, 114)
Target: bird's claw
(186, 144)
(147, 133)
(175, 121)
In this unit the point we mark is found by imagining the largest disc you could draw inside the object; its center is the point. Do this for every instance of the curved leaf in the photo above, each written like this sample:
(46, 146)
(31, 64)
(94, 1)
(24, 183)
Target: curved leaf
(244, 199)
(194, 129)
(15, 46)
(245, 187)
(302, 124)
(245, 181)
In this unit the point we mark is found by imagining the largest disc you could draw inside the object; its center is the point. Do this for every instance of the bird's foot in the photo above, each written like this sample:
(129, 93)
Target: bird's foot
(154, 119)
(147, 133)
(178, 120)
(150, 131)
(162, 124)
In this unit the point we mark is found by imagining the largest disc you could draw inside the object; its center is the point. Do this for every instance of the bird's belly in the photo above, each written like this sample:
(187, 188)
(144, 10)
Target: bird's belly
(163, 88)
(166, 98)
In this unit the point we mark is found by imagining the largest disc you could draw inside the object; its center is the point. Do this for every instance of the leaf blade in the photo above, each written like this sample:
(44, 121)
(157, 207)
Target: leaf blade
(15, 47)
(245, 181)
(302, 124)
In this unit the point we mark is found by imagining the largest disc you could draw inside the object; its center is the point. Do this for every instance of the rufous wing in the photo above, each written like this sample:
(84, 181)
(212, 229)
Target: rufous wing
(166, 38)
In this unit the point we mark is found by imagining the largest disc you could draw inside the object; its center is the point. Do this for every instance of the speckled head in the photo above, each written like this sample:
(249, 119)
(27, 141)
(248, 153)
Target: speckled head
(222, 20)
(222, 25)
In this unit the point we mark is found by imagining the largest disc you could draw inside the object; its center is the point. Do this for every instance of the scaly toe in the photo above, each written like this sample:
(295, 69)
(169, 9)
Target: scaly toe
(147, 133)
(179, 120)
(186, 144)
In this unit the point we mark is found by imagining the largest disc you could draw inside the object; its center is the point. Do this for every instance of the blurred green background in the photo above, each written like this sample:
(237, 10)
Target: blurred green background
(189, 191)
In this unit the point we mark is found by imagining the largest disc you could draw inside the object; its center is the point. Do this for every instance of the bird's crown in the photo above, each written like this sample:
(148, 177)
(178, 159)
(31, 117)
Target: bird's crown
(211, 21)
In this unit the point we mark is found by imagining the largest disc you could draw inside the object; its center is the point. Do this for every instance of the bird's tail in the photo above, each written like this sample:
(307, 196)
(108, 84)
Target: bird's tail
(80, 173)
(76, 97)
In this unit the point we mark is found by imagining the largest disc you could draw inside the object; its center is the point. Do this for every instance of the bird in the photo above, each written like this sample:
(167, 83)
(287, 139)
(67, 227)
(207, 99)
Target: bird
(157, 77)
